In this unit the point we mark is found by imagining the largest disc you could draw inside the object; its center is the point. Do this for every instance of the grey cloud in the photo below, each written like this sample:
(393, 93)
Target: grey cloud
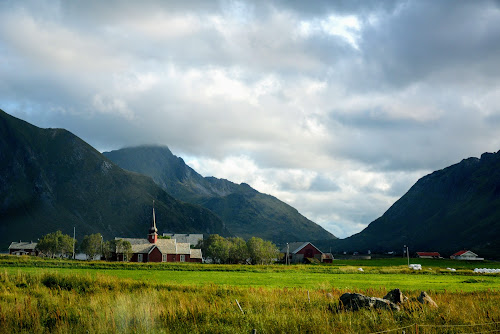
(323, 183)
(423, 38)
(324, 7)
(84, 66)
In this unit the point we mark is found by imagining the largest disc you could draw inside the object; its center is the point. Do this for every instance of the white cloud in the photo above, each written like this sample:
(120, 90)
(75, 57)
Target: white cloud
(335, 108)
(346, 27)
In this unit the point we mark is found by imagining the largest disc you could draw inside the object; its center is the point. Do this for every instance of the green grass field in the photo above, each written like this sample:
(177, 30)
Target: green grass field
(383, 273)
(60, 296)
(299, 278)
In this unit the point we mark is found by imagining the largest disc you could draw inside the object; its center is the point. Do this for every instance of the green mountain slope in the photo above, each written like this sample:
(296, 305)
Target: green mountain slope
(451, 209)
(50, 179)
(245, 211)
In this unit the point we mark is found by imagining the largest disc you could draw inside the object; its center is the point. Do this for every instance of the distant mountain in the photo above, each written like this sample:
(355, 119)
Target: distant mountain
(244, 210)
(52, 180)
(451, 209)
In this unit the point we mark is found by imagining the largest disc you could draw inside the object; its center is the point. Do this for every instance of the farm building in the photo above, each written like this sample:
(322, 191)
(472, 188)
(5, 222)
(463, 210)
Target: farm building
(153, 249)
(466, 255)
(23, 248)
(298, 252)
(191, 239)
(327, 258)
(428, 255)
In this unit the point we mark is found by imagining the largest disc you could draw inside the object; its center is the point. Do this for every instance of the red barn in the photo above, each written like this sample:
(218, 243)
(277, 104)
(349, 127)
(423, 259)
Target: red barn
(298, 252)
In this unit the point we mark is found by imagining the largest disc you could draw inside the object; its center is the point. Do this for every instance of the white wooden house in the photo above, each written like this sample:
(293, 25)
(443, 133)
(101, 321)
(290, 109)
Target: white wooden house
(466, 255)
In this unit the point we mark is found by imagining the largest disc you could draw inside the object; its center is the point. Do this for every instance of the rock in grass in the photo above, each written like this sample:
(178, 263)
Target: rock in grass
(424, 298)
(356, 301)
(396, 296)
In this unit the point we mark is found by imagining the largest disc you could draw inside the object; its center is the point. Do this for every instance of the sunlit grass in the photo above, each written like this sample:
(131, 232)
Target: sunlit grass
(80, 303)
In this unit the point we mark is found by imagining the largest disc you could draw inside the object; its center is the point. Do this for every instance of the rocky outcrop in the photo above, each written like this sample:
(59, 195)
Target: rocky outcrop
(425, 299)
(396, 296)
(357, 301)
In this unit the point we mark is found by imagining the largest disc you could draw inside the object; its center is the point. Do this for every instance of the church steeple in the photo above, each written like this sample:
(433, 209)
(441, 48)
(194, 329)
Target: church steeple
(153, 236)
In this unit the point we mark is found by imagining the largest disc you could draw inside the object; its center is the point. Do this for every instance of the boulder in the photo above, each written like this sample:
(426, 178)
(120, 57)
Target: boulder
(396, 296)
(356, 301)
(424, 298)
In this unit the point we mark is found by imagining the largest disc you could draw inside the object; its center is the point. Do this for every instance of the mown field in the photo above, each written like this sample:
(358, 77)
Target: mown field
(58, 296)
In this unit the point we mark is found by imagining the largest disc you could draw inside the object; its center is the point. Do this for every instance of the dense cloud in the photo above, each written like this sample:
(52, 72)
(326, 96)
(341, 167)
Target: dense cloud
(334, 107)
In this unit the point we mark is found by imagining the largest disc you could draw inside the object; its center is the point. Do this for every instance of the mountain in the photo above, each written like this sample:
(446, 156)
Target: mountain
(245, 211)
(52, 180)
(451, 209)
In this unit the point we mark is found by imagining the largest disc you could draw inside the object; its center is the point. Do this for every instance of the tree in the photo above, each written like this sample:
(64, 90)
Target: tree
(218, 249)
(238, 251)
(108, 249)
(261, 251)
(118, 246)
(92, 245)
(56, 243)
(270, 253)
(125, 248)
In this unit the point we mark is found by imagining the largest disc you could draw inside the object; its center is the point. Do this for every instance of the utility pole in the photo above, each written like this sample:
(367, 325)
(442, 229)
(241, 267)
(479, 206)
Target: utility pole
(287, 253)
(74, 241)
(408, 255)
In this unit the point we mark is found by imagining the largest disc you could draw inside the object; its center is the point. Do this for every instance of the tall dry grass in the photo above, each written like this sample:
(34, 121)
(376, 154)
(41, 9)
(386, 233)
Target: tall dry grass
(54, 303)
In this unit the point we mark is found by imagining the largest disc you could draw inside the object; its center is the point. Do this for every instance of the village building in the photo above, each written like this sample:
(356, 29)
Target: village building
(466, 255)
(327, 258)
(191, 239)
(428, 255)
(298, 252)
(153, 249)
(23, 248)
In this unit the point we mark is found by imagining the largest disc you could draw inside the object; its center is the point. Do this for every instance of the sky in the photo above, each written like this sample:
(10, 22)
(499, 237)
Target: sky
(335, 107)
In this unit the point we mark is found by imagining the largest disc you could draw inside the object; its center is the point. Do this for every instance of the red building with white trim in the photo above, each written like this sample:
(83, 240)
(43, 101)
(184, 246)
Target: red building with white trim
(298, 252)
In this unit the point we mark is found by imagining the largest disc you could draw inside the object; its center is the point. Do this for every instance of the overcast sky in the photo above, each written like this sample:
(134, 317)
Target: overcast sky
(335, 107)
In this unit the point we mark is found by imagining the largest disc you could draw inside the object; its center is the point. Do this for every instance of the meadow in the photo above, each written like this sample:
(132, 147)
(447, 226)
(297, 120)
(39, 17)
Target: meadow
(60, 296)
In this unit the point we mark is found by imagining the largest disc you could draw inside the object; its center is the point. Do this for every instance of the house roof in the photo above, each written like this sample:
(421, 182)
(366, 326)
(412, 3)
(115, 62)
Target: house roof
(327, 256)
(462, 252)
(189, 238)
(166, 246)
(139, 245)
(295, 247)
(23, 245)
(428, 254)
(195, 253)
(182, 248)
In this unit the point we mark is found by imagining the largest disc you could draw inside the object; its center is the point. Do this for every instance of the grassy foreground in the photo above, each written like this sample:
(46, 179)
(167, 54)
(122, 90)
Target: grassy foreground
(41, 296)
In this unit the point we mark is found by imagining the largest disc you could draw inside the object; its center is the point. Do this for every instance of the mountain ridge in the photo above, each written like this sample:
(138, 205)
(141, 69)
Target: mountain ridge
(245, 211)
(454, 208)
(52, 180)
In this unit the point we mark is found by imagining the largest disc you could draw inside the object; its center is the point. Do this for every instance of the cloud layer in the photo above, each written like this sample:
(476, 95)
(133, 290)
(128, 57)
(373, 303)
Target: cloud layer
(334, 107)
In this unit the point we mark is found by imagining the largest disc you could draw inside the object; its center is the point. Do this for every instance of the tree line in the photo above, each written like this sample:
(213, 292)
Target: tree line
(235, 250)
(59, 244)
(232, 250)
